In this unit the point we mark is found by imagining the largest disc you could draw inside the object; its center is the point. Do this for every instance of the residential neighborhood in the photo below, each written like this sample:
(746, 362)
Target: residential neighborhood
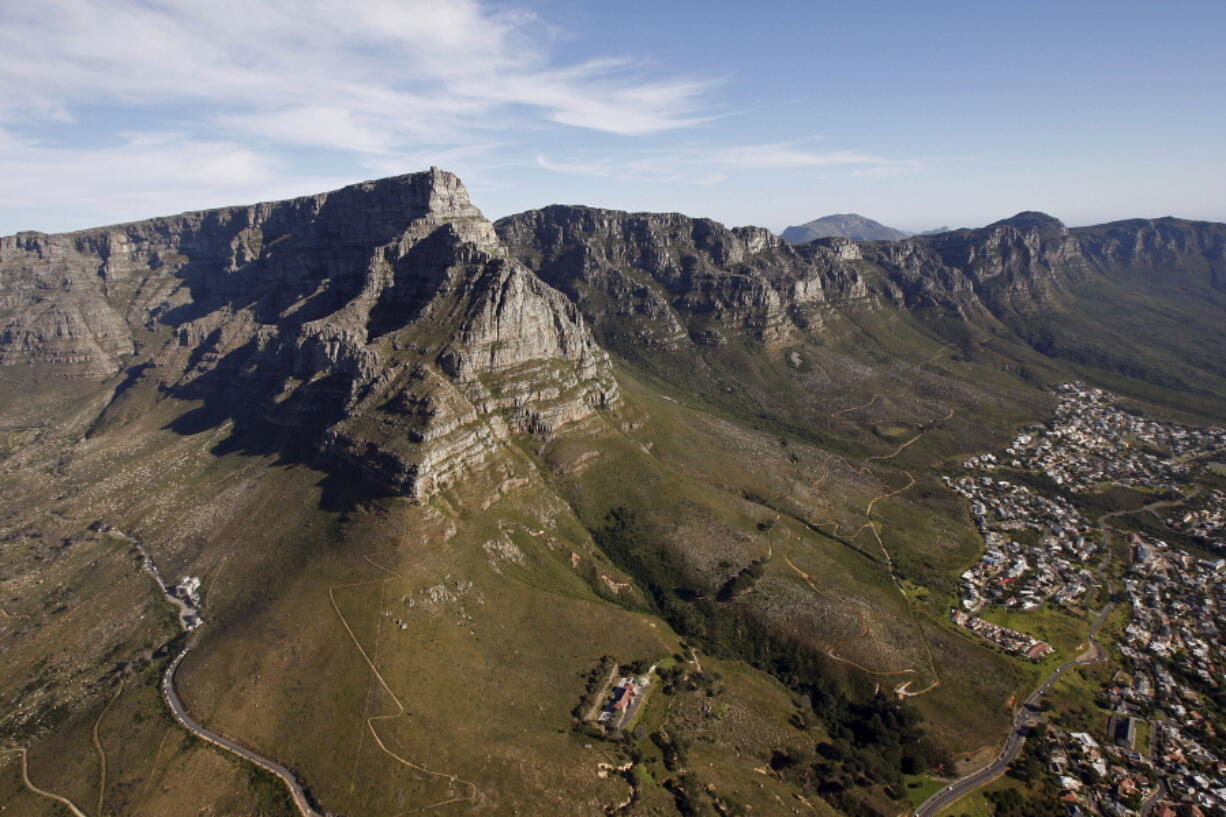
(1206, 523)
(1037, 547)
(1092, 440)
(1162, 748)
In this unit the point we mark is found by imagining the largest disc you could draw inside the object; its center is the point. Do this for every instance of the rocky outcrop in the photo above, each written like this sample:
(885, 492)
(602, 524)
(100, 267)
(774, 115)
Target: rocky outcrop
(383, 321)
(667, 280)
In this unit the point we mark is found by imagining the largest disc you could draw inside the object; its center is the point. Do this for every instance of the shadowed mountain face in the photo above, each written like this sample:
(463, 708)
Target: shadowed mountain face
(1079, 295)
(440, 477)
(382, 324)
(842, 225)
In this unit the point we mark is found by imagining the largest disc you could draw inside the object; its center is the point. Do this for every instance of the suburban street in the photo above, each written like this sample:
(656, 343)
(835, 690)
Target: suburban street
(1025, 718)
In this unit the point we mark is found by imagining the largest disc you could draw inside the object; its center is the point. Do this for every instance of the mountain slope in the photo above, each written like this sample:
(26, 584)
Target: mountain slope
(843, 225)
(440, 477)
(383, 321)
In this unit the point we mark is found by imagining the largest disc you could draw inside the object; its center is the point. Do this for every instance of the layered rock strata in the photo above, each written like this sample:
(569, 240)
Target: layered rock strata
(383, 321)
(673, 279)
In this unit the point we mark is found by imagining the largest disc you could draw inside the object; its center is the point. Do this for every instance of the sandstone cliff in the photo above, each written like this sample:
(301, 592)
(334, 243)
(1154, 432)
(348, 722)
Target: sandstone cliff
(384, 321)
(673, 279)
(667, 280)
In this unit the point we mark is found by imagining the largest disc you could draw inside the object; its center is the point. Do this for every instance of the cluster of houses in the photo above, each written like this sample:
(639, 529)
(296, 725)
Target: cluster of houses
(1207, 523)
(1178, 608)
(1176, 661)
(1091, 441)
(1017, 575)
(1174, 643)
(1012, 641)
(1109, 778)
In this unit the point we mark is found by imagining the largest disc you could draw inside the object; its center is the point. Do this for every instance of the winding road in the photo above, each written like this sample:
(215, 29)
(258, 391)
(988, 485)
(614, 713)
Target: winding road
(1025, 718)
(296, 790)
(189, 620)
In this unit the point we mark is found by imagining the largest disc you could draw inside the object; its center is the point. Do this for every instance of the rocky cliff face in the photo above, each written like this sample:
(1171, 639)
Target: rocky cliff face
(384, 321)
(405, 336)
(667, 280)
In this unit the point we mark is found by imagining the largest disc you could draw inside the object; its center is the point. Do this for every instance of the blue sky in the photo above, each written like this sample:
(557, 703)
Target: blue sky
(918, 114)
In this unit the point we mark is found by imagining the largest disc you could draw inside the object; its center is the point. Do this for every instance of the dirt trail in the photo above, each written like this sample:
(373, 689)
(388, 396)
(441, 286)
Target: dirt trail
(102, 752)
(400, 708)
(830, 651)
(903, 447)
(25, 778)
(874, 399)
(153, 766)
(904, 689)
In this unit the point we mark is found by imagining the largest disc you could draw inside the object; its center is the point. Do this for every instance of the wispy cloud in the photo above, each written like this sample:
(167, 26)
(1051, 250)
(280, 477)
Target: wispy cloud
(708, 165)
(381, 82)
(353, 76)
(787, 155)
(144, 175)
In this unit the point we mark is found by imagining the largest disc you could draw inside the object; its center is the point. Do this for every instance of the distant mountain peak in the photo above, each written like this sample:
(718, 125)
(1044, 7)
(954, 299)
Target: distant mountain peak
(847, 225)
(1032, 220)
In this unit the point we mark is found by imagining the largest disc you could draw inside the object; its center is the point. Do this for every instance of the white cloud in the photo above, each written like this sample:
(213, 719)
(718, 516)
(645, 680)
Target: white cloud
(376, 71)
(390, 85)
(784, 155)
(706, 165)
(145, 175)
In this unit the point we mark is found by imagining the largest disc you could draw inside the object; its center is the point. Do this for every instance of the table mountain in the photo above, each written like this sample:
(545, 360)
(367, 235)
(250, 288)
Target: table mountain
(439, 479)
(383, 320)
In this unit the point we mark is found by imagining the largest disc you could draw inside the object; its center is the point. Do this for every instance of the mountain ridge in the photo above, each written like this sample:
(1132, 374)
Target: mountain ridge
(322, 313)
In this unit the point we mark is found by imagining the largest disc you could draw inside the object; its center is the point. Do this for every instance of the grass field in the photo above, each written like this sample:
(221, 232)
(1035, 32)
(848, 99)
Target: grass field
(920, 787)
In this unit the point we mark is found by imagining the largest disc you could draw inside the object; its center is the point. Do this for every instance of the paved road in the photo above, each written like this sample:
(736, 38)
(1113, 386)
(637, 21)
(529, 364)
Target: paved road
(189, 620)
(1022, 721)
(1148, 805)
(185, 720)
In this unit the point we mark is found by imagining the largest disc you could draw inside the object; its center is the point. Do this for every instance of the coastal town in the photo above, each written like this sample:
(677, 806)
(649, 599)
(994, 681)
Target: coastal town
(1160, 749)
